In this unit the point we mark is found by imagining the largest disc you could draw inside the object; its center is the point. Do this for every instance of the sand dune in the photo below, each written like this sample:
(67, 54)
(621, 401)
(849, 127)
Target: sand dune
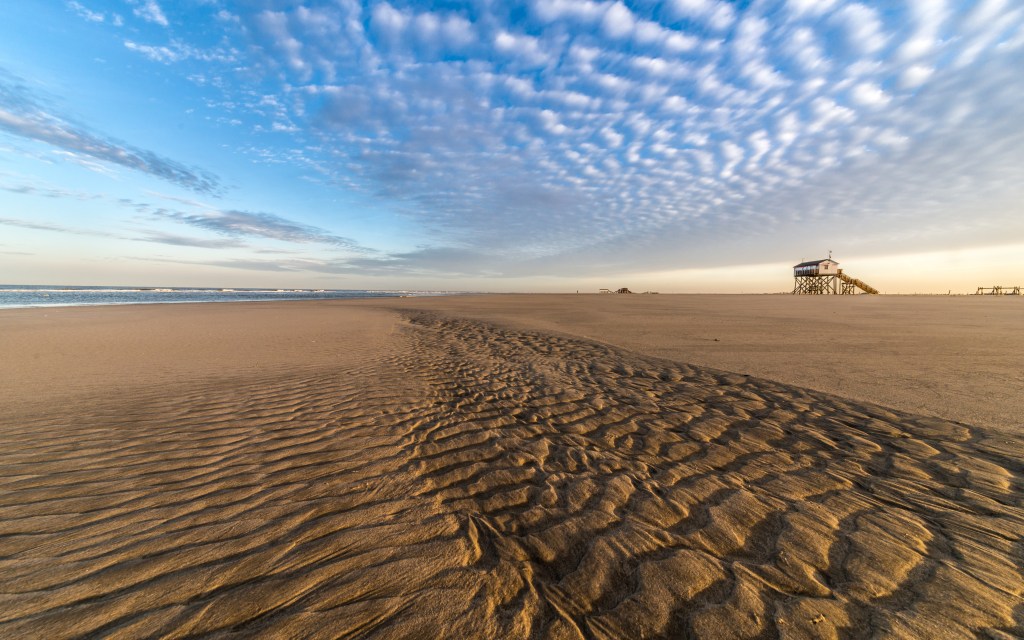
(464, 480)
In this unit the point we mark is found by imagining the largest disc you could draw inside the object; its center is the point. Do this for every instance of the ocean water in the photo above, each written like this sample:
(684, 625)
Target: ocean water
(14, 296)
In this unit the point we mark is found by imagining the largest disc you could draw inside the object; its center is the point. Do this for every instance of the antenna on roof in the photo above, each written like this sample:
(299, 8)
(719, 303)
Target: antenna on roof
(829, 254)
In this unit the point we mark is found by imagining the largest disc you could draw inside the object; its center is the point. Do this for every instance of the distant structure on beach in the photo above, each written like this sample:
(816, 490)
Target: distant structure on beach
(824, 277)
(998, 291)
(622, 290)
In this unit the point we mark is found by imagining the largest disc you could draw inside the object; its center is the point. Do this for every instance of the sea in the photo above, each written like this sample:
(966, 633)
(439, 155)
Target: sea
(16, 295)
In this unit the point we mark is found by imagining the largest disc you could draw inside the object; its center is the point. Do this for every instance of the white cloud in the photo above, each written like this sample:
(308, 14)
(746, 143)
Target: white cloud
(715, 14)
(927, 18)
(678, 42)
(762, 74)
(864, 28)
(457, 31)
(788, 127)
(732, 154)
(987, 25)
(612, 138)
(658, 66)
(389, 23)
(21, 116)
(177, 51)
(85, 13)
(621, 118)
(760, 144)
(150, 11)
(274, 25)
(984, 14)
(915, 75)
(869, 94)
(618, 21)
(156, 53)
(524, 48)
(810, 7)
(675, 104)
(582, 10)
(828, 111)
(747, 39)
(804, 47)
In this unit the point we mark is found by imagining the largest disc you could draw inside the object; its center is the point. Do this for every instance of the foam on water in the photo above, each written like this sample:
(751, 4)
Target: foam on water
(16, 296)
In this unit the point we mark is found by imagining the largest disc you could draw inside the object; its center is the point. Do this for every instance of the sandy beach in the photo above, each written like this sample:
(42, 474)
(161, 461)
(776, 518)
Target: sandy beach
(533, 466)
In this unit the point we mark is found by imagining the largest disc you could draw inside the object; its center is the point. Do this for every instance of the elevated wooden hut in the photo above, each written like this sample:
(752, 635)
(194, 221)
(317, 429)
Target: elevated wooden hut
(824, 277)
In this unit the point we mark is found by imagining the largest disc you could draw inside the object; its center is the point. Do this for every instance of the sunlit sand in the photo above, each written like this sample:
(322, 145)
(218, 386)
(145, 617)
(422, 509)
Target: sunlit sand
(513, 467)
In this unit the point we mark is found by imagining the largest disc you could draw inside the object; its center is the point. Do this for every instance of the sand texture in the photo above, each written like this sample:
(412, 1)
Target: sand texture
(416, 474)
(952, 357)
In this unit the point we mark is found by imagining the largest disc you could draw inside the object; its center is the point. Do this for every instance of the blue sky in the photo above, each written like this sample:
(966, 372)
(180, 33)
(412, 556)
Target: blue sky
(549, 145)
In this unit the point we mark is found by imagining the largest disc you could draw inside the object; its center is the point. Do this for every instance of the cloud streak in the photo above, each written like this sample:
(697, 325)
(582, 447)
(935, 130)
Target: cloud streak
(47, 226)
(175, 240)
(22, 116)
(264, 225)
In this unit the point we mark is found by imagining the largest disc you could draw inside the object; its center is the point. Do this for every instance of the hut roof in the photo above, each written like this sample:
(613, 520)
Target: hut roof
(814, 263)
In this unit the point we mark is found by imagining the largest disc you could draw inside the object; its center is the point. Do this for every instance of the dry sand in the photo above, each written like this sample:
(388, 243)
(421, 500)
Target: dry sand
(475, 467)
(955, 357)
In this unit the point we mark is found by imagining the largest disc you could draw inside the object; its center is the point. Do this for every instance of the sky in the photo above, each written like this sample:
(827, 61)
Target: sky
(489, 145)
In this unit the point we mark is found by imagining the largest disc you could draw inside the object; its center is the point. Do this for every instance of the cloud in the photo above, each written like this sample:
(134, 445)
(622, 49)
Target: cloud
(618, 21)
(59, 228)
(805, 48)
(869, 94)
(21, 116)
(97, 17)
(46, 128)
(864, 28)
(810, 7)
(274, 25)
(150, 11)
(230, 226)
(427, 33)
(187, 241)
(927, 19)
(522, 48)
(717, 15)
(915, 75)
(177, 51)
(557, 132)
(389, 23)
(436, 261)
(85, 13)
(265, 225)
(47, 192)
(583, 11)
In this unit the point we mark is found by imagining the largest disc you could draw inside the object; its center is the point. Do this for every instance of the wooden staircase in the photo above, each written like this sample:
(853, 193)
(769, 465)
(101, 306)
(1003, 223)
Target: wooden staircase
(854, 282)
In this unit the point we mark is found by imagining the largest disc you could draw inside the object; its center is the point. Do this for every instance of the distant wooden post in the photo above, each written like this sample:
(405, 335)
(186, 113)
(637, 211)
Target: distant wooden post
(998, 290)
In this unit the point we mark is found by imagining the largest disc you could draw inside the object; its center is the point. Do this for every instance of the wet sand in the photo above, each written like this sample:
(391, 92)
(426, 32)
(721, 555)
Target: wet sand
(501, 466)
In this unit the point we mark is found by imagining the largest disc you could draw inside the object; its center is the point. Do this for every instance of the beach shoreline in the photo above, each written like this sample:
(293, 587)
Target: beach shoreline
(948, 357)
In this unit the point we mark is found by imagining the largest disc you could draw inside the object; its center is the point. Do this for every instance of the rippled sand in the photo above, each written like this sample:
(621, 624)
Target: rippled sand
(435, 476)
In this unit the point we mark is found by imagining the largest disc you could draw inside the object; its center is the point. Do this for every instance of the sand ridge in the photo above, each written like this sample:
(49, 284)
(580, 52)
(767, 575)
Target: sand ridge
(466, 480)
(952, 357)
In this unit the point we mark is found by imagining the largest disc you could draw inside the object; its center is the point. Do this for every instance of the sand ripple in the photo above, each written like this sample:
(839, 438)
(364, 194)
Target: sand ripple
(481, 482)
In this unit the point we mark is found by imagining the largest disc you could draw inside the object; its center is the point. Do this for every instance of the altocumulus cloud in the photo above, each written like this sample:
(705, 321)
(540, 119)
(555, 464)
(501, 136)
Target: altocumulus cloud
(554, 132)
(557, 125)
